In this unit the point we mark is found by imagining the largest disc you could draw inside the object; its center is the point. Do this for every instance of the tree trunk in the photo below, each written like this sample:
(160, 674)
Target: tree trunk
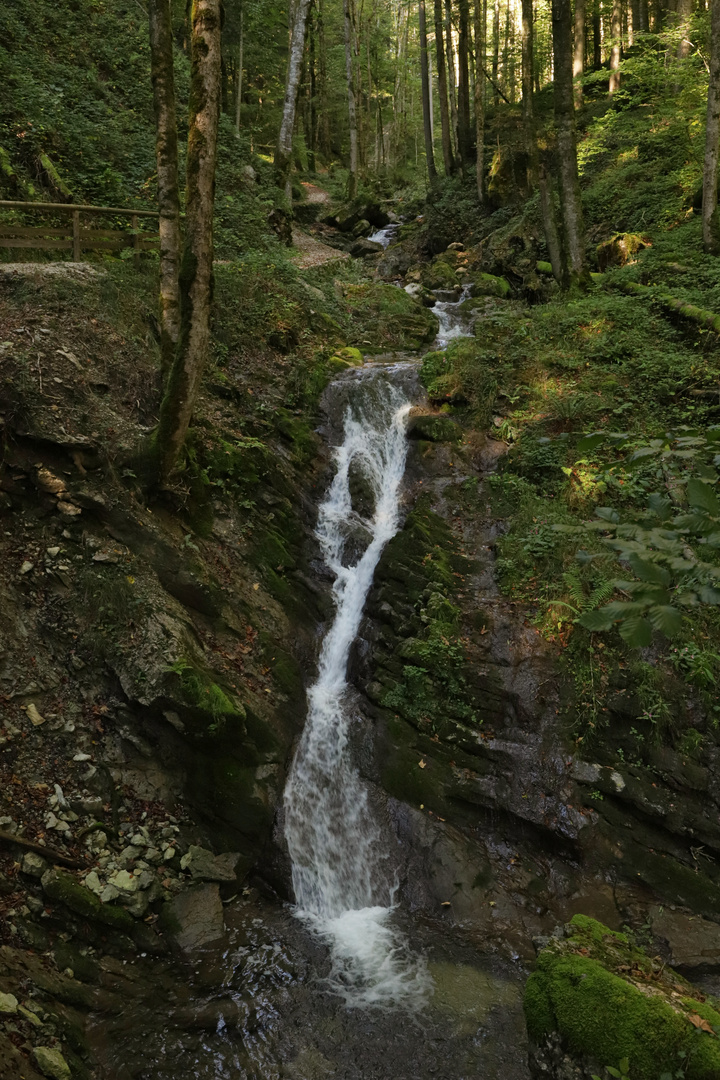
(597, 36)
(633, 21)
(571, 206)
(352, 113)
(616, 46)
(238, 97)
(166, 149)
(496, 53)
(644, 23)
(464, 133)
(452, 90)
(684, 14)
(448, 158)
(312, 103)
(549, 220)
(324, 125)
(480, 13)
(711, 225)
(426, 98)
(284, 149)
(196, 271)
(579, 51)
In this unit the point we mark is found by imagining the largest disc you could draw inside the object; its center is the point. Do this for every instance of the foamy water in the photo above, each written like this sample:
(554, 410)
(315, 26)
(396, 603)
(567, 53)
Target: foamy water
(341, 879)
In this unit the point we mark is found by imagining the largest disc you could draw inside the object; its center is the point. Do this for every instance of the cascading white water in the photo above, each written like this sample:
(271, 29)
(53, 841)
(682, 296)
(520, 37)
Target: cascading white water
(453, 322)
(386, 235)
(339, 863)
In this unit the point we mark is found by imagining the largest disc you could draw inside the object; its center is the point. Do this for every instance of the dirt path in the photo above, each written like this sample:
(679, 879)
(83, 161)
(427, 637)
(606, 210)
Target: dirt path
(315, 194)
(311, 252)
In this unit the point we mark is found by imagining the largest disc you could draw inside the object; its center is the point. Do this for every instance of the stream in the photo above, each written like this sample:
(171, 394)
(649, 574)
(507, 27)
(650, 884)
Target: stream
(347, 982)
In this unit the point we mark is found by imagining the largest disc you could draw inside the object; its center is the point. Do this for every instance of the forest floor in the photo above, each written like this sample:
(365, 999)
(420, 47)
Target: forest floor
(312, 252)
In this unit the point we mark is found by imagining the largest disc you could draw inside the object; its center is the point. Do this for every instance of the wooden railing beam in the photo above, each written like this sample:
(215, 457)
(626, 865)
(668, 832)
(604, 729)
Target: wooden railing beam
(72, 208)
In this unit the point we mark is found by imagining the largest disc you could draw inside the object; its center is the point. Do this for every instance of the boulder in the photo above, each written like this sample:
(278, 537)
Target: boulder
(51, 1063)
(416, 290)
(694, 942)
(620, 249)
(363, 228)
(362, 248)
(8, 1004)
(439, 275)
(396, 260)
(33, 864)
(194, 918)
(489, 285)
(595, 999)
(434, 428)
(64, 889)
(202, 865)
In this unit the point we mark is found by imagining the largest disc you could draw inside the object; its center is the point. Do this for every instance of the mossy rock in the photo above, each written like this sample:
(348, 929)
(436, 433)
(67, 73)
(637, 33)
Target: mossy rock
(345, 358)
(434, 429)
(439, 275)
(608, 1000)
(490, 285)
(66, 890)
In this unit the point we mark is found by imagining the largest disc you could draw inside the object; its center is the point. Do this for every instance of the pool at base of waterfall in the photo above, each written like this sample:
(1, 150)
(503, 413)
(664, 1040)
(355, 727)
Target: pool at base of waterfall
(257, 1006)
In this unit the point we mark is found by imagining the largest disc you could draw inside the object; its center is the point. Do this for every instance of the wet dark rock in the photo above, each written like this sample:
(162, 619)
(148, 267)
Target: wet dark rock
(362, 248)
(434, 428)
(194, 918)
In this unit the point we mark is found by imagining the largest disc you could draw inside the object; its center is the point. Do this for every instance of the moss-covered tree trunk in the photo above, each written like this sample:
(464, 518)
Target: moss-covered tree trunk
(573, 232)
(480, 18)
(616, 46)
(711, 225)
(452, 85)
(352, 110)
(166, 150)
(597, 35)
(283, 150)
(464, 131)
(579, 51)
(426, 96)
(448, 156)
(196, 271)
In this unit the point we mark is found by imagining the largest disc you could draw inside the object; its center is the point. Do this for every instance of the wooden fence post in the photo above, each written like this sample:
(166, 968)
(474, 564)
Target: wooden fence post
(76, 235)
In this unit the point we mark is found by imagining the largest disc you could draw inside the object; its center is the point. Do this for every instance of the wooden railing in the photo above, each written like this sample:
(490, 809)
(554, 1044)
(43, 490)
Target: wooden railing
(73, 237)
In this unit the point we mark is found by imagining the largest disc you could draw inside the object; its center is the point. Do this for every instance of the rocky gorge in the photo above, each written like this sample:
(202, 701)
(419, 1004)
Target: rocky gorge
(154, 665)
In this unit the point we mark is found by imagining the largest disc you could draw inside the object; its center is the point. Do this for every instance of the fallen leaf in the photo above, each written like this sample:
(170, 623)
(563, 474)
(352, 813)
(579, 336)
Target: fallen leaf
(698, 1022)
(422, 764)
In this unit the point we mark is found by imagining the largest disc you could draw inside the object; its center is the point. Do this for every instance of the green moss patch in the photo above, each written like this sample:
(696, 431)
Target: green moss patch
(609, 1000)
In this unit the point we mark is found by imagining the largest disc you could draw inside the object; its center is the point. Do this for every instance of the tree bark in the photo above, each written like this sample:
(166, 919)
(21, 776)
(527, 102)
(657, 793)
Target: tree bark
(644, 21)
(464, 132)
(616, 46)
(597, 36)
(452, 89)
(684, 14)
(241, 50)
(574, 272)
(284, 148)
(496, 53)
(633, 21)
(196, 271)
(352, 112)
(426, 98)
(166, 150)
(480, 14)
(448, 157)
(711, 225)
(579, 51)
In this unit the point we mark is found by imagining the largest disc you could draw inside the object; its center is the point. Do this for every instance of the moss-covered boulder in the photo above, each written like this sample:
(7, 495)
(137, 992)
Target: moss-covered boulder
(434, 428)
(387, 318)
(439, 275)
(490, 285)
(64, 889)
(600, 999)
(345, 358)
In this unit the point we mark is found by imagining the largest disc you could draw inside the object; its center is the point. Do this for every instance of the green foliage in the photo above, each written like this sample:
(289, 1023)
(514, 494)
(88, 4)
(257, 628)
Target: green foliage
(202, 692)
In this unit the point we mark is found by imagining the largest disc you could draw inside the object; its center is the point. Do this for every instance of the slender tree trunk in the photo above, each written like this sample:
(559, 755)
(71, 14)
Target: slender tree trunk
(448, 158)
(684, 14)
(166, 150)
(430, 91)
(324, 126)
(480, 13)
(597, 36)
(711, 225)
(644, 23)
(496, 53)
(241, 49)
(350, 77)
(571, 206)
(312, 105)
(284, 149)
(633, 21)
(616, 46)
(549, 219)
(196, 271)
(464, 133)
(579, 51)
(452, 90)
(426, 99)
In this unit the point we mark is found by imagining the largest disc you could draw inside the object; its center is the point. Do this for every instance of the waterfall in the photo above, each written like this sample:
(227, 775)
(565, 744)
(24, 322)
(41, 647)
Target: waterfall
(339, 862)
